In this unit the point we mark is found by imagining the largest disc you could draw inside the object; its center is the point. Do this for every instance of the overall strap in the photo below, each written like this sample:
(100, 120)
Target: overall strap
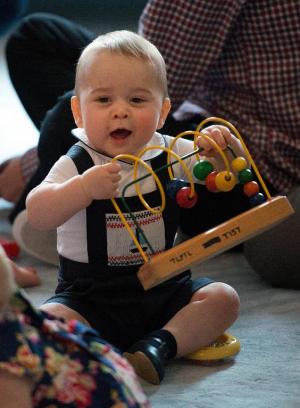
(156, 163)
(171, 213)
(81, 158)
(83, 162)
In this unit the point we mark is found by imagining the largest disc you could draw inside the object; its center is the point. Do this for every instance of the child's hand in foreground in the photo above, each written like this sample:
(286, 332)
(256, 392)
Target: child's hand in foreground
(223, 137)
(220, 134)
(102, 182)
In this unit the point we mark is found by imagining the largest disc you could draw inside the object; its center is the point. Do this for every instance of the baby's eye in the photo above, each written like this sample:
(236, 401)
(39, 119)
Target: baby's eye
(103, 99)
(137, 100)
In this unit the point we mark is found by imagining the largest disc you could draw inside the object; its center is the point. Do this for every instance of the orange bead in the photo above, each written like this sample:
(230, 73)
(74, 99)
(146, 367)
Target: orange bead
(251, 188)
(224, 181)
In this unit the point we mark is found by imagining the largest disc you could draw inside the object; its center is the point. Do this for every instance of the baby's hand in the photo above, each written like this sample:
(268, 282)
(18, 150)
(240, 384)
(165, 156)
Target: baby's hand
(102, 182)
(220, 134)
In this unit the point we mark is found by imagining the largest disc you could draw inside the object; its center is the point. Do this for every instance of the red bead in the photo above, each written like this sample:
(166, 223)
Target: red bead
(251, 188)
(210, 182)
(183, 198)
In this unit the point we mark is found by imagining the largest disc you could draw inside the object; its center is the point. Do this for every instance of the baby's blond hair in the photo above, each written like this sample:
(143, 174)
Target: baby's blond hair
(129, 44)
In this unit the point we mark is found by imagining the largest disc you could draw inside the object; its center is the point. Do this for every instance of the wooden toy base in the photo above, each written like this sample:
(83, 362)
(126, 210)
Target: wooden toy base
(214, 241)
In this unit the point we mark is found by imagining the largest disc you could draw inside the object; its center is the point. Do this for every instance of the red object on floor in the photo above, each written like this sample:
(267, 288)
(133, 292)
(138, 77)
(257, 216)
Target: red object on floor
(11, 248)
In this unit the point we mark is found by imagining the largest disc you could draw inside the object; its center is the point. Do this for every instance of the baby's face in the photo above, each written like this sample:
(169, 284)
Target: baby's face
(120, 103)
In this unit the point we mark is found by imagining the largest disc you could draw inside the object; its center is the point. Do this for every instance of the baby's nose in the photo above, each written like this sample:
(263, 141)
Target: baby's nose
(121, 111)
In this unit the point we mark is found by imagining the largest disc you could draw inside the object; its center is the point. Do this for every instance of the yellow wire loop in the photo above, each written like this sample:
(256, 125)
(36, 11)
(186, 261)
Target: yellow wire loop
(136, 160)
(197, 134)
(180, 161)
(238, 135)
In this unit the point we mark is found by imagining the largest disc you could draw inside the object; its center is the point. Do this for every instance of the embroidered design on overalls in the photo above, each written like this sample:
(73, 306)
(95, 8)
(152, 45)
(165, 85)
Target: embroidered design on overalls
(120, 248)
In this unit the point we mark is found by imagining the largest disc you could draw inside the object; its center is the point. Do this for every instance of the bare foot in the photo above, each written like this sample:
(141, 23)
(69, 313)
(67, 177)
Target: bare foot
(7, 282)
(25, 276)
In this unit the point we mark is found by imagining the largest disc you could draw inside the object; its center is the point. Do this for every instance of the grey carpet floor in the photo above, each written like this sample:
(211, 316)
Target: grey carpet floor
(265, 374)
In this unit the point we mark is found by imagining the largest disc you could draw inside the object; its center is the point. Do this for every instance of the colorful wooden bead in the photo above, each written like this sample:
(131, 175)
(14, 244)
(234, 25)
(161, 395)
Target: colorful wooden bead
(251, 188)
(202, 168)
(245, 176)
(225, 181)
(238, 164)
(257, 199)
(174, 185)
(183, 198)
(210, 182)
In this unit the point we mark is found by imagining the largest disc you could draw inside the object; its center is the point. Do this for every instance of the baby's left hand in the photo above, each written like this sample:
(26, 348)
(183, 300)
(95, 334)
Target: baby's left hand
(220, 134)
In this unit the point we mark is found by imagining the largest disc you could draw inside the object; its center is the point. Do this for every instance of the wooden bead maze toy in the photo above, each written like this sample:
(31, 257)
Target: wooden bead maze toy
(266, 211)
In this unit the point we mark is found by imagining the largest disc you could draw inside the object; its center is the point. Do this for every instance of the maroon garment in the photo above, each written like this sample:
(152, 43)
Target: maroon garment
(239, 60)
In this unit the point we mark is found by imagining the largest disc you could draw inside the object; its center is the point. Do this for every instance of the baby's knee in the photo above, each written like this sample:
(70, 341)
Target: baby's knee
(223, 298)
(228, 297)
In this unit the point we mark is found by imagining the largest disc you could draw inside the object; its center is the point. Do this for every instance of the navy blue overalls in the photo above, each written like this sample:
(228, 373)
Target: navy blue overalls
(111, 297)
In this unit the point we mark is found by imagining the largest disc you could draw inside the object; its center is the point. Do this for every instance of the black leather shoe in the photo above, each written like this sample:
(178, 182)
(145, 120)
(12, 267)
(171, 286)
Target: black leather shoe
(148, 357)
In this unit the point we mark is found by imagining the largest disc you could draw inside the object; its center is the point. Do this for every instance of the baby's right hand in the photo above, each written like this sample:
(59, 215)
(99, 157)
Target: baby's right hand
(102, 182)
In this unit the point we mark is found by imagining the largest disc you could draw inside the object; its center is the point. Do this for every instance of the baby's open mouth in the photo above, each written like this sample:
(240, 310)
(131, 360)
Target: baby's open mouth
(120, 133)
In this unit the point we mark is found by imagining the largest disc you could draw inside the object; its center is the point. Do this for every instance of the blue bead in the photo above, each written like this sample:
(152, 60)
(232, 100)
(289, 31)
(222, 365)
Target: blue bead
(174, 185)
(257, 199)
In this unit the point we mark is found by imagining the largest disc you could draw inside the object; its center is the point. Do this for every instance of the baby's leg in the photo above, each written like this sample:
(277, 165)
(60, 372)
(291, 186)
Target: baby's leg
(211, 311)
(62, 311)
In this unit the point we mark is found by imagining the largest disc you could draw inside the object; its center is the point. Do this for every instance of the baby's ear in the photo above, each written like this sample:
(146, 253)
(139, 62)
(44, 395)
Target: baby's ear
(75, 106)
(165, 109)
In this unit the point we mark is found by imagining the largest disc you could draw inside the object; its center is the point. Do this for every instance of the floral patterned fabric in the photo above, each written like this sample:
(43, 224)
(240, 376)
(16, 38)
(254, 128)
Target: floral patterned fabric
(69, 364)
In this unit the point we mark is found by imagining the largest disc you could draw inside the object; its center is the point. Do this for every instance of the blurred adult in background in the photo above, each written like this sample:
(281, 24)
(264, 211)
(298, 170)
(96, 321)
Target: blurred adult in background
(240, 60)
(11, 11)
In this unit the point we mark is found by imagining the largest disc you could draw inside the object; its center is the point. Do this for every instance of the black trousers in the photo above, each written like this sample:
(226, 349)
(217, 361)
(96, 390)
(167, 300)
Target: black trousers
(41, 56)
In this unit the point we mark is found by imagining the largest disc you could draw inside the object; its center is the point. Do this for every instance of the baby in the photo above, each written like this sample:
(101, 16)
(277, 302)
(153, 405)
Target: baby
(54, 363)
(121, 100)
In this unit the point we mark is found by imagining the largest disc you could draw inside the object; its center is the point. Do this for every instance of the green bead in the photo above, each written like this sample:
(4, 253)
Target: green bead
(245, 176)
(202, 168)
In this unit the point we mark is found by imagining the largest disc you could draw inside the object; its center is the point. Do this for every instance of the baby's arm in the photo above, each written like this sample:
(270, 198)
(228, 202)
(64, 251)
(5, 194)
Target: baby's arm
(49, 205)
